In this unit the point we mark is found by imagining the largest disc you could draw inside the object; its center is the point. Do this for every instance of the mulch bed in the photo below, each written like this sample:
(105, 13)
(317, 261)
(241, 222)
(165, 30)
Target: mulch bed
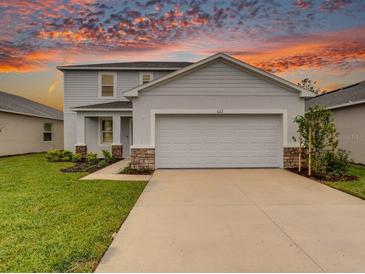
(133, 171)
(78, 167)
(304, 172)
(86, 167)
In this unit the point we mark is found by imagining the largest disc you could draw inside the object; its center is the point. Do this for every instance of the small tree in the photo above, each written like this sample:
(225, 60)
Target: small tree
(317, 132)
(310, 85)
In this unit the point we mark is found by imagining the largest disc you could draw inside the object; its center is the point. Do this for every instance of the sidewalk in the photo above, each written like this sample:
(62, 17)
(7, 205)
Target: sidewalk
(112, 173)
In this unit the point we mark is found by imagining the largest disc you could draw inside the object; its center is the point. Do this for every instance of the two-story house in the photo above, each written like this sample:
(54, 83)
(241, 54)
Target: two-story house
(97, 115)
(217, 112)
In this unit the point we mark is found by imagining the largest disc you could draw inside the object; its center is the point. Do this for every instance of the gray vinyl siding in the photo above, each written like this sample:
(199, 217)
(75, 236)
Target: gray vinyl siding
(220, 79)
(69, 131)
(215, 86)
(349, 123)
(81, 89)
(24, 134)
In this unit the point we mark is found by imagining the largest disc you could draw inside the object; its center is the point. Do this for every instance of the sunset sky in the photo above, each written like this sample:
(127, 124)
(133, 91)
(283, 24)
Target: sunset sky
(323, 40)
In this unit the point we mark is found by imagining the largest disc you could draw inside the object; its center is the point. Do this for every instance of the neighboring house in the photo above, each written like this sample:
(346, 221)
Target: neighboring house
(218, 112)
(348, 107)
(27, 126)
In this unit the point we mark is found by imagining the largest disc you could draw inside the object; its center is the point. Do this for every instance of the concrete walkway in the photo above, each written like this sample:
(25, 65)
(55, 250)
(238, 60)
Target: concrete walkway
(111, 172)
(248, 220)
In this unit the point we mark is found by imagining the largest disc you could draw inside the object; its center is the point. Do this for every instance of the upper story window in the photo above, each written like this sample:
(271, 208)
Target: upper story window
(47, 132)
(145, 77)
(107, 84)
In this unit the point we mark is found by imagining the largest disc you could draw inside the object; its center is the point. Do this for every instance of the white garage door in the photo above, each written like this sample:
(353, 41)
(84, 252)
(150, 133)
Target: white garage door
(204, 141)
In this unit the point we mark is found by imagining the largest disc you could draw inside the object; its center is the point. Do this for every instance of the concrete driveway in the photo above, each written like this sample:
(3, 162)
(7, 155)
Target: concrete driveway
(246, 220)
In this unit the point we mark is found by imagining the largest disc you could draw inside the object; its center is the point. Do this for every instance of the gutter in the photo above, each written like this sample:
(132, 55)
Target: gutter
(62, 68)
(347, 104)
(101, 109)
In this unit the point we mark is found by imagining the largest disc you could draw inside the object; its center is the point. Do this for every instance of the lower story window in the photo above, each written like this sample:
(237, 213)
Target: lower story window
(106, 130)
(47, 132)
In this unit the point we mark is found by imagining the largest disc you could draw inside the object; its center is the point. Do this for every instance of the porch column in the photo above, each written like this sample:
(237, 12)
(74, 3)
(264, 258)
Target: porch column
(117, 148)
(80, 146)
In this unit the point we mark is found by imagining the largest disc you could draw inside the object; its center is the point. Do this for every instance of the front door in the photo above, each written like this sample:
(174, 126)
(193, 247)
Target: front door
(126, 135)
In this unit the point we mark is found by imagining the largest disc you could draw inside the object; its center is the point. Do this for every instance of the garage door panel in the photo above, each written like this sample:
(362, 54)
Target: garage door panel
(188, 141)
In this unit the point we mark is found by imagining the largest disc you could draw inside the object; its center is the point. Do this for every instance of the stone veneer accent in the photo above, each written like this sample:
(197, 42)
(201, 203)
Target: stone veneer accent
(117, 151)
(291, 155)
(81, 149)
(143, 158)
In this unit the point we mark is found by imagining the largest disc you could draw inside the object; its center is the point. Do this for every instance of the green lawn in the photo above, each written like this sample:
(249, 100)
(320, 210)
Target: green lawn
(52, 222)
(356, 188)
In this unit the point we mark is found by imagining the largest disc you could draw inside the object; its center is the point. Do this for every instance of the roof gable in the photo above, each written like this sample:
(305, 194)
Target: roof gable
(218, 78)
(19, 105)
(350, 95)
(226, 58)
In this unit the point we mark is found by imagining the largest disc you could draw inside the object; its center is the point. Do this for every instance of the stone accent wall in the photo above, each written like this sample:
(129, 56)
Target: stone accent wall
(81, 149)
(143, 158)
(291, 155)
(117, 151)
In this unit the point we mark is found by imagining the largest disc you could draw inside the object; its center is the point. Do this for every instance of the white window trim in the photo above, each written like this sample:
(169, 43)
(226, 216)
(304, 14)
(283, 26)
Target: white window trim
(45, 131)
(101, 144)
(145, 73)
(115, 88)
(130, 134)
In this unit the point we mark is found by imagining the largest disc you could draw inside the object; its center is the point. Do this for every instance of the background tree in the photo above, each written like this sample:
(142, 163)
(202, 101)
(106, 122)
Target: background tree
(310, 85)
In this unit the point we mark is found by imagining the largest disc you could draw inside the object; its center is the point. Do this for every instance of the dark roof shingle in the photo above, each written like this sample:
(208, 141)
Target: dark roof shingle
(110, 105)
(350, 94)
(17, 104)
(131, 65)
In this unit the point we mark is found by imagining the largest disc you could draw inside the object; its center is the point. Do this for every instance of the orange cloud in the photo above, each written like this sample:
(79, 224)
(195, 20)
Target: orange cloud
(66, 35)
(34, 61)
(332, 86)
(312, 51)
(91, 27)
(56, 83)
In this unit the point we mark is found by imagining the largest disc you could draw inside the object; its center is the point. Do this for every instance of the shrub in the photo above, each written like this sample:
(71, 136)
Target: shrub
(102, 163)
(92, 158)
(317, 130)
(332, 164)
(77, 157)
(108, 157)
(67, 156)
(321, 123)
(56, 155)
(53, 155)
(129, 170)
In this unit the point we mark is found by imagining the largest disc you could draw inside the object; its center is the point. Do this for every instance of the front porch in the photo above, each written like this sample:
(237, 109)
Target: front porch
(104, 129)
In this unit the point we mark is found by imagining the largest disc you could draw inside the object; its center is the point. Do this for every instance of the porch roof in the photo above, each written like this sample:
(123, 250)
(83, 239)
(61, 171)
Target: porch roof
(111, 106)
